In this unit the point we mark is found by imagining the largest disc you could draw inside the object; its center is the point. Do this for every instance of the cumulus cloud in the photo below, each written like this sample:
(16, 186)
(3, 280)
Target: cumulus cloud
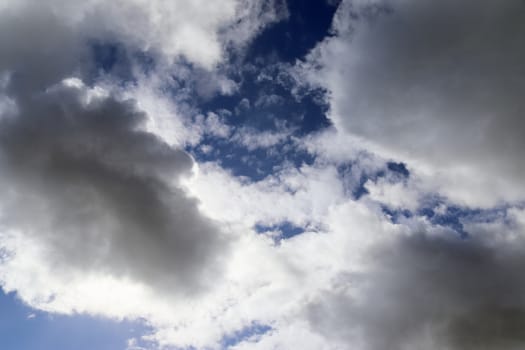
(76, 159)
(428, 291)
(397, 195)
(93, 204)
(103, 212)
(197, 30)
(300, 196)
(99, 192)
(436, 83)
(253, 140)
(94, 217)
(84, 183)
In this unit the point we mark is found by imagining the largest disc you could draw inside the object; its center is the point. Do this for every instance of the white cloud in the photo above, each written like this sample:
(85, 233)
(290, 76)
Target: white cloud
(253, 139)
(245, 292)
(300, 196)
(213, 125)
(305, 289)
(197, 29)
(165, 117)
(397, 195)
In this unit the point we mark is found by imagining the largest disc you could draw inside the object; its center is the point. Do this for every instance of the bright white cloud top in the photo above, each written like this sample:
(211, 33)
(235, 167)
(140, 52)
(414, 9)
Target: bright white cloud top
(156, 166)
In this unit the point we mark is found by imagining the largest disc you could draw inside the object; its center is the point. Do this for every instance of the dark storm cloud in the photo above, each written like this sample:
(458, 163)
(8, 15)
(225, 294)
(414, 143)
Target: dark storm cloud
(82, 179)
(441, 82)
(432, 292)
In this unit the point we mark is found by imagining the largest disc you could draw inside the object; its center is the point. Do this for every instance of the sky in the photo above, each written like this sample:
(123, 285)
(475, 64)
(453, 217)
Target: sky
(262, 175)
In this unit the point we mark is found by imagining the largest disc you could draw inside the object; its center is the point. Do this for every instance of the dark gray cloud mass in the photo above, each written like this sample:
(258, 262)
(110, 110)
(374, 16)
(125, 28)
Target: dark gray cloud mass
(80, 176)
(432, 292)
(440, 82)
(38, 46)
(99, 193)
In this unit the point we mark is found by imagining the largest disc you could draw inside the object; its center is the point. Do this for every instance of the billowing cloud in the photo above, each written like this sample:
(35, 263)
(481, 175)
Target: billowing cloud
(93, 216)
(83, 177)
(99, 192)
(431, 291)
(438, 84)
(198, 30)
(103, 211)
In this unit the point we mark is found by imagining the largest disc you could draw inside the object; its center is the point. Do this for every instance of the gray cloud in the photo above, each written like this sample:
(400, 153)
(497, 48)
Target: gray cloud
(439, 82)
(79, 175)
(38, 47)
(99, 194)
(431, 292)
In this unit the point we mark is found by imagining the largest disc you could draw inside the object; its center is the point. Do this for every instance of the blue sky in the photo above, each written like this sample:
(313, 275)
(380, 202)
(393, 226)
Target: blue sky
(261, 174)
(22, 327)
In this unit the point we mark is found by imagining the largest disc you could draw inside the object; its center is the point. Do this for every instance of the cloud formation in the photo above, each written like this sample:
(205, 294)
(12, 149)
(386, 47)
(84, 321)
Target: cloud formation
(100, 193)
(93, 202)
(432, 291)
(103, 212)
(437, 84)
(198, 30)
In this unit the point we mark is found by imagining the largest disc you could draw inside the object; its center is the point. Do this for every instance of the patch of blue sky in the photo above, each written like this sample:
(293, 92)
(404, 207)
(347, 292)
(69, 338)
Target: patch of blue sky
(354, 180)
(264, 106)
(278, 232)
(107, 55)
(441, 213)
(434, 208)
(267, 100)
(248, 333)
(308, 23)
(110, 59)
(254, 164)
(396, 215)
(438, 212)
(354, 187)
(23, 328)
(398, 168)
